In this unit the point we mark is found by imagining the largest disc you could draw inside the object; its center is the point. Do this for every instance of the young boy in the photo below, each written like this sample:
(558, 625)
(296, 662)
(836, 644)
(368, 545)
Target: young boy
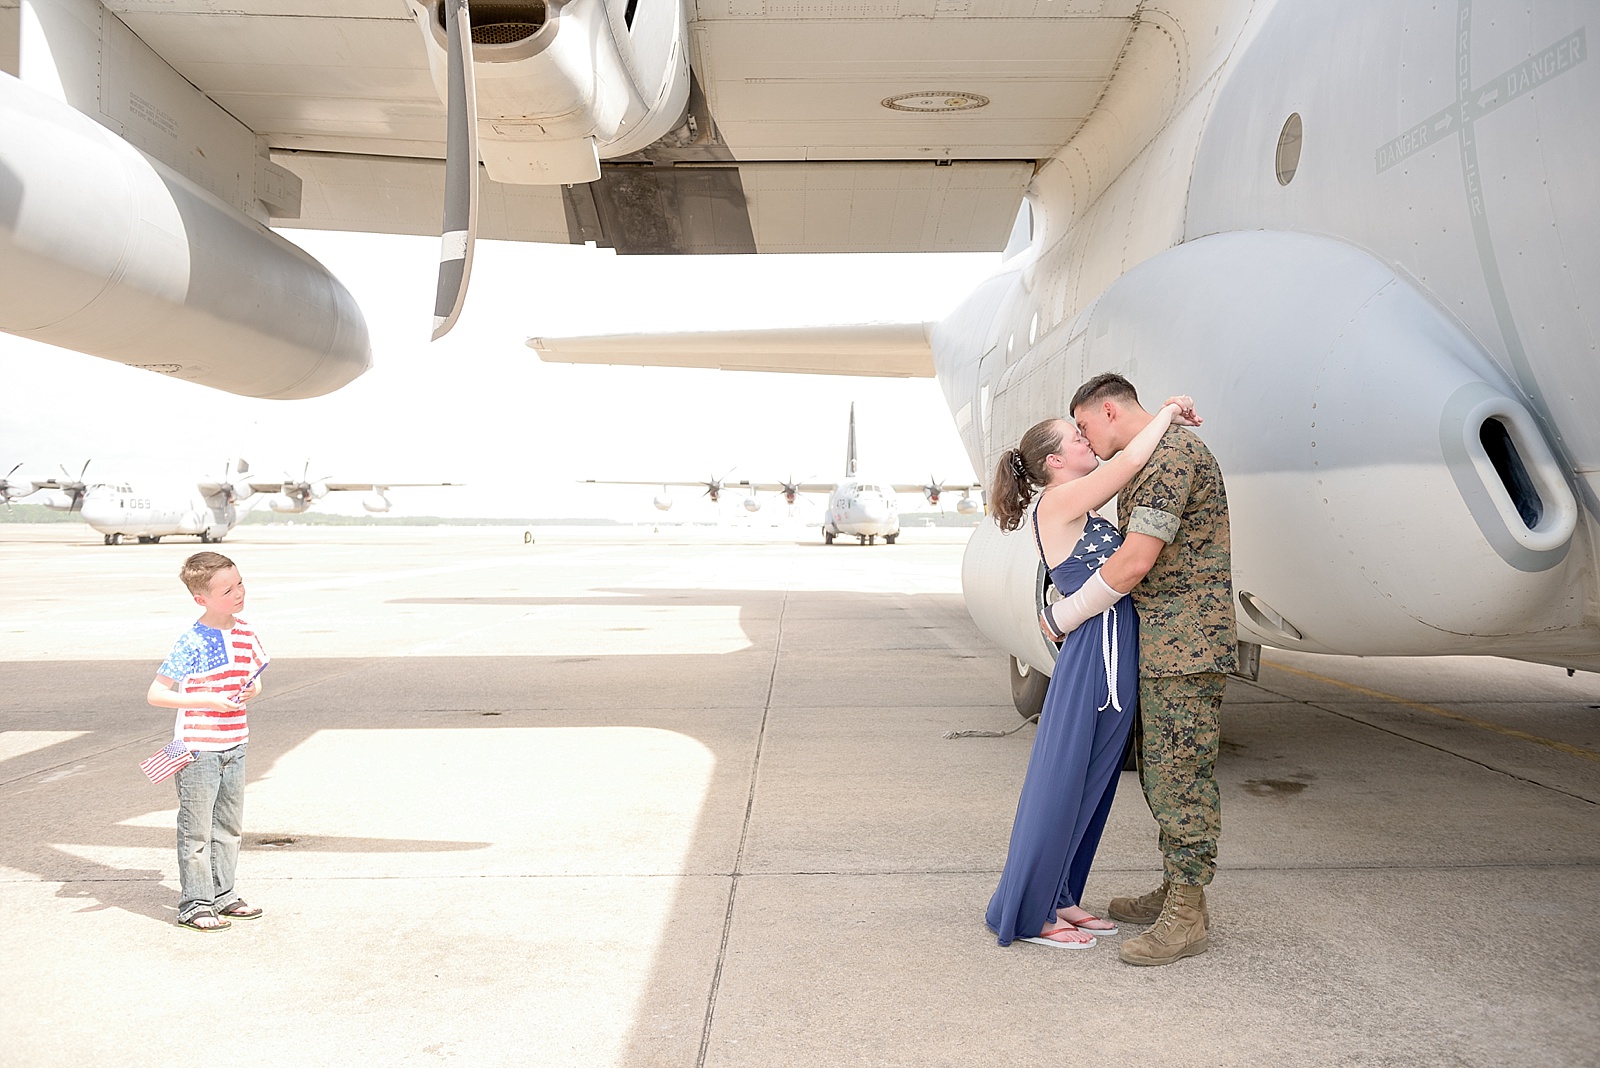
(205, 678)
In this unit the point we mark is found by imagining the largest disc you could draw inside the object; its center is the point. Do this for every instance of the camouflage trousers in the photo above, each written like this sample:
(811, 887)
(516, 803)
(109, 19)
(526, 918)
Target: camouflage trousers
(1177, 767)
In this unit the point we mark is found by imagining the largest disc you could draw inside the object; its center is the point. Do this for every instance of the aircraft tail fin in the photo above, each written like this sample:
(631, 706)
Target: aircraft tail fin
(850, 447)
(885, 350)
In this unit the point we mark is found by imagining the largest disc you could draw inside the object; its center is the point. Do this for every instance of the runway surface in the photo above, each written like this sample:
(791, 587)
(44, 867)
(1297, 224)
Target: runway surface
(623, 798)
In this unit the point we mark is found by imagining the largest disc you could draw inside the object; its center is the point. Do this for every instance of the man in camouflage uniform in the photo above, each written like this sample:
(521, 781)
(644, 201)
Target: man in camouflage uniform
(1175, 559)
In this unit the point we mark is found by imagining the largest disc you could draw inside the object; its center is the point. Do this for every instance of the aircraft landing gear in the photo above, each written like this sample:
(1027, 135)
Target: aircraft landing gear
(149, 540)
(1027, 689)
(827, 537)
(113, 539)
(206, 538)
(888, 539)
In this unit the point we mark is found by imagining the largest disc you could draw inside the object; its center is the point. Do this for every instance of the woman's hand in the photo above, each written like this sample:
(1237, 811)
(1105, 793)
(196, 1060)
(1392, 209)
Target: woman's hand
(1185, 414)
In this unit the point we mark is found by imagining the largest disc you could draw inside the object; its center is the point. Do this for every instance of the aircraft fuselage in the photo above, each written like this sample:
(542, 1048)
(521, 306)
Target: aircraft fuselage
(860, 508)
(1378, 282)
(121, 511)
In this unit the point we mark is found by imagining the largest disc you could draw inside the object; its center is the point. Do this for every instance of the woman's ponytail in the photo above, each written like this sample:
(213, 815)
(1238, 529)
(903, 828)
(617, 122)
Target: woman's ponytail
(1020, 470)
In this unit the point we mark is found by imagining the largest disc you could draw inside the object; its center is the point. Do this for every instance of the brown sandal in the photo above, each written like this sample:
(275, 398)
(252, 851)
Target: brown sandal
(220, 925)
(238, 910)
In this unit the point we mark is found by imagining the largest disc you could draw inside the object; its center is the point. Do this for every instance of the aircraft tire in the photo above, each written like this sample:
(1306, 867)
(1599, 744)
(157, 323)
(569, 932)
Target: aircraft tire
(113, 539)
(888, 539)
(205, 539)
(1027, 689)
(827, 537)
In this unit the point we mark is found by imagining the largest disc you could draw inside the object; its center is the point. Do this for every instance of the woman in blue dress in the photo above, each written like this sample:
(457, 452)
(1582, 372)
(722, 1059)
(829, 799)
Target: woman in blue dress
(1089, 706)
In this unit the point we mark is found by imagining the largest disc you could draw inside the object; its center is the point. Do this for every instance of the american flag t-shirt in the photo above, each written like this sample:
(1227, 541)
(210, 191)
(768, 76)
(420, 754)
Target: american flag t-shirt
(164, 762)
(207, 660)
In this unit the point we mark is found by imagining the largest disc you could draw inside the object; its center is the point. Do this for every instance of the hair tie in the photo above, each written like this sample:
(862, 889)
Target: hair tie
(1018, 467)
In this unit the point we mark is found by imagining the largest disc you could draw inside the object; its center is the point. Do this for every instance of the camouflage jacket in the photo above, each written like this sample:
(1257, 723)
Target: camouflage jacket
(1185, 603)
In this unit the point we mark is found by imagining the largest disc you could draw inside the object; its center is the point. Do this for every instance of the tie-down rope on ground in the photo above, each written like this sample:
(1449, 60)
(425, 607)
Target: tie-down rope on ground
(949, 735)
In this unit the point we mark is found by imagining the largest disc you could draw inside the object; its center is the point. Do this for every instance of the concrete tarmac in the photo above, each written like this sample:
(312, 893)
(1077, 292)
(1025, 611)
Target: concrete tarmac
(683, 799)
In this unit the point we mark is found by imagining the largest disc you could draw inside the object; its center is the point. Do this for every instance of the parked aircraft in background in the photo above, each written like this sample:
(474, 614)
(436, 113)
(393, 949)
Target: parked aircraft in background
(1363, 235)
(206, 510)
(857, 507)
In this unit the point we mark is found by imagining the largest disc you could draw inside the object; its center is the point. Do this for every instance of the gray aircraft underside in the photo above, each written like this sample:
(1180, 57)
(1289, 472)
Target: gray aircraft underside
(1362, 235)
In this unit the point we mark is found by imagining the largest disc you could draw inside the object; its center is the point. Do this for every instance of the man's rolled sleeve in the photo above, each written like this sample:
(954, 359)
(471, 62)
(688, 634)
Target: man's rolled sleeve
(1154, 522)
(1159, 496)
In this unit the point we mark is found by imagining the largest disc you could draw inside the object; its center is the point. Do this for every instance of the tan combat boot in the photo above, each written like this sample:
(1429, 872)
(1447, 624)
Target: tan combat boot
(1146, 908)
(1180, 930)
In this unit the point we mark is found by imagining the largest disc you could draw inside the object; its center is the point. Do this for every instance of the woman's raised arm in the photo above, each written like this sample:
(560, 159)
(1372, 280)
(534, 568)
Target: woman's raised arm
(1106, 481)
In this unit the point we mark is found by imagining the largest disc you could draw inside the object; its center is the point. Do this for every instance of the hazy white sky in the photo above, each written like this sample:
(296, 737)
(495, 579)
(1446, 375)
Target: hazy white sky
(480, 407)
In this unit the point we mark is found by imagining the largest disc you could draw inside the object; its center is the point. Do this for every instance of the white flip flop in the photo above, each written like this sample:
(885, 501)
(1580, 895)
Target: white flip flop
(1041, 940)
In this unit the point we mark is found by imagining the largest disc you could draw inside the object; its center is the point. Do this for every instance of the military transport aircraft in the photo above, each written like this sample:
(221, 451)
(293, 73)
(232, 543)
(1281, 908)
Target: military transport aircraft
(206, 510)
(857, 507)
(1363, 235)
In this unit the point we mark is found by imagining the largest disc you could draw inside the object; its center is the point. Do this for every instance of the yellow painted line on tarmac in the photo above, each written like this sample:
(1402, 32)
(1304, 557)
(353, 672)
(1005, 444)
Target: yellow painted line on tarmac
(1560, 747)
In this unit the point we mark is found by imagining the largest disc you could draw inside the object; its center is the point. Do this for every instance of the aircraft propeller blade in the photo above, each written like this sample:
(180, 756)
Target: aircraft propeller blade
(715, 485)
(790, 490)
(460, 172)
(6, 489)
(75, 487)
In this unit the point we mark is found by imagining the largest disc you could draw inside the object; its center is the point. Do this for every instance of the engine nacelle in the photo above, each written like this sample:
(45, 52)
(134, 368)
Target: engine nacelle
(662, 502)
(752, 505)
(106, 251)
(291, 505)
(375, 502)
(54, 500)
(562, 84)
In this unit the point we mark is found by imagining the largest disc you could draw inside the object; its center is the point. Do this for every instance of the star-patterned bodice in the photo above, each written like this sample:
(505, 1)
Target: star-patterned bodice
(1099, 540)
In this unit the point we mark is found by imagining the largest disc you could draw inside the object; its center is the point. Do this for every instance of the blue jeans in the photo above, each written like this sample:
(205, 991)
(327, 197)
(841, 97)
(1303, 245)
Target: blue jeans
(210, 824)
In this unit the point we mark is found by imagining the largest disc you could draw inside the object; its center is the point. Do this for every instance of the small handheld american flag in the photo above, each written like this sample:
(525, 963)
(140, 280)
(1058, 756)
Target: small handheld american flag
(163, 764)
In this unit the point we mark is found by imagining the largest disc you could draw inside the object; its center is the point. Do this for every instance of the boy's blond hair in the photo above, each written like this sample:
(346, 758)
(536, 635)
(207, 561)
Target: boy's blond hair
(197, 571)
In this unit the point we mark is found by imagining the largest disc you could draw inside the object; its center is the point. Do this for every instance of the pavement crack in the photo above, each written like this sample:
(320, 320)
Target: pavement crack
(1305, 703)
(145, 738)
(744, 837)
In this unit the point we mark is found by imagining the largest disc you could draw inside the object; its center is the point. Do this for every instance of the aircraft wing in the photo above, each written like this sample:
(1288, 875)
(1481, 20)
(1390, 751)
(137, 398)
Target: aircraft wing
(892, 350)
(889, 125)
(338, 487)
(367, 487)
(728, 484)
(732, 483)
(944, 487)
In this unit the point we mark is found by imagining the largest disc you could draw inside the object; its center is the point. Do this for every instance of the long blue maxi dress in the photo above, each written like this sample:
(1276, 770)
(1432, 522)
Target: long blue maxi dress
(1077, 752)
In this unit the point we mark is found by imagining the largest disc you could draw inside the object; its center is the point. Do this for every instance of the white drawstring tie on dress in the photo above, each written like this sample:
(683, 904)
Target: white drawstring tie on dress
(1108, 656)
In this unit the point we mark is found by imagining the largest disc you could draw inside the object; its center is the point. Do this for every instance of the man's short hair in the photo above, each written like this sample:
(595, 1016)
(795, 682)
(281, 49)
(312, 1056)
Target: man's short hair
(1109, 386)
(198, 570)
